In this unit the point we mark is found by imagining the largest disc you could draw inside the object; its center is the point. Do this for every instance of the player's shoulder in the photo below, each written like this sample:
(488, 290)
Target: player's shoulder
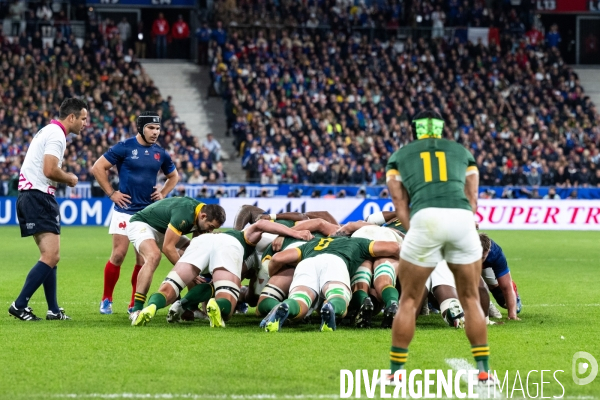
(54, 131)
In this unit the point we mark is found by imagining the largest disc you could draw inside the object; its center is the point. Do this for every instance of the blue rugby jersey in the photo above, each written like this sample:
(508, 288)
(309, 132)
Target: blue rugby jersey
(496, 261)
(138, 166)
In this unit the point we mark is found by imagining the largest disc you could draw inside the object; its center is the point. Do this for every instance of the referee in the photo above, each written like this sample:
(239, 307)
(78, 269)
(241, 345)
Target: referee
(38, 210)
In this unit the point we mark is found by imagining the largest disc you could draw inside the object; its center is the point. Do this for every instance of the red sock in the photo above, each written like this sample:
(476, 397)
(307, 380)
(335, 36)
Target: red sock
(136, 271)
(111, 276)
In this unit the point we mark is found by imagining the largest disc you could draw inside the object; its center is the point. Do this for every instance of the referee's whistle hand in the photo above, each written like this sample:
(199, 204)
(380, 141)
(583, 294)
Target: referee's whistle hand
(72, 182)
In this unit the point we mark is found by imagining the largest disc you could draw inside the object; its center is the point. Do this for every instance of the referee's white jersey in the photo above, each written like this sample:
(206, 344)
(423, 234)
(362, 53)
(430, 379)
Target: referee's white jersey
(51, 139)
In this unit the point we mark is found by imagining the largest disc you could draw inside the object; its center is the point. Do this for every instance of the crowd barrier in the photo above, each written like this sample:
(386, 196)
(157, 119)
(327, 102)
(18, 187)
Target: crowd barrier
(491, 214)
(83, 190)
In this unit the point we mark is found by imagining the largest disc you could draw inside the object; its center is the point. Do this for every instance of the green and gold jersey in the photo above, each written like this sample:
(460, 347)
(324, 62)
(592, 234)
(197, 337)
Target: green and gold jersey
(352, 250)
(268, 254)
(176, 213)
(397, 226)
(241, 237)
(433, 171)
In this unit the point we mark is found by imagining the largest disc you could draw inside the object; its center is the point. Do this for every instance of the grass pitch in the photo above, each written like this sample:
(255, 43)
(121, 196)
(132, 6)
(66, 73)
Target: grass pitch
(102, 356)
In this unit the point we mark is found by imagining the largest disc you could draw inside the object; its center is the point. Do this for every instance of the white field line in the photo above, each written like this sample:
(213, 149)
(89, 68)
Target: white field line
(461, 364)
(191, 396)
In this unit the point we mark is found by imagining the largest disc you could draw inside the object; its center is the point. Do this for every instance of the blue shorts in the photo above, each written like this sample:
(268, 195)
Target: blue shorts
(38, 212)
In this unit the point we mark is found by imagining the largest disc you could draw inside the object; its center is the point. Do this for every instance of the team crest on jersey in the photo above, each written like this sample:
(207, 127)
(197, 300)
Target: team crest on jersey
(134, 154)
(157, 156)
(183, 224)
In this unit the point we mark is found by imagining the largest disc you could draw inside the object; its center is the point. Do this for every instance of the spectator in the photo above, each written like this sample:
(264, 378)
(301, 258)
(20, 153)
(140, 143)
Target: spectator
(219, 35)
(213, 146)
(553, 38)
(160, 30)
(552, 195)
(203, 35)
(140, 41)
(196, 177)
(573, 195)
(16, 11)
(125, 31)
(180, 34)
(534, 178)
(43, 11)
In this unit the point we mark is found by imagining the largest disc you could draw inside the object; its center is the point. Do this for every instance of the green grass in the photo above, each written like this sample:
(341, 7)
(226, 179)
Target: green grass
(557, 274)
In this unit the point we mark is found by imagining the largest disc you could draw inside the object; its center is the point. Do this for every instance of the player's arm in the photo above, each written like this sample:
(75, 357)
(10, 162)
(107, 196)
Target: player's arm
(100, 172)
(351, 227)
(53, 172)
(384, 249)
(380, 218)
(254, 231)
(316, 225)
(296, 216)
(170, 171)
(472, 182)
(401, 201)
(505, 284)
(172, 237)
(289, 257)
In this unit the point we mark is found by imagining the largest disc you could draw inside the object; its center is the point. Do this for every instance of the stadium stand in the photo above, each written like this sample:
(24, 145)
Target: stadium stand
(34, 79)
(328, 106)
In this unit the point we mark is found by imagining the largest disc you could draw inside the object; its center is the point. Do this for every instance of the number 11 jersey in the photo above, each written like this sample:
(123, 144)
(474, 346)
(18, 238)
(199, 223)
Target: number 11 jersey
(433, 171)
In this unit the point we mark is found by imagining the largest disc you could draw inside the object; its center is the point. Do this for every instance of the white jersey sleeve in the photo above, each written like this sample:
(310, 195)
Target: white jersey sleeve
(49, 140)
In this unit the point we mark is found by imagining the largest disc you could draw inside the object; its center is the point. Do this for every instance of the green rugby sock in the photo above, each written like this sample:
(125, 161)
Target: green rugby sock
(159, 300)
(140, 299)
(358, 298)
(398, 357)
(294, 307)
(196, 295)
(339, 305)
(224, 306)
(481, 353)
(266, 305)
(389, 295)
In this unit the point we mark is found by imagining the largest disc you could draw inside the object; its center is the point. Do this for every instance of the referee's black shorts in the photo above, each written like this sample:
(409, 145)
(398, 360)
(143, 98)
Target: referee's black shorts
(38, 212)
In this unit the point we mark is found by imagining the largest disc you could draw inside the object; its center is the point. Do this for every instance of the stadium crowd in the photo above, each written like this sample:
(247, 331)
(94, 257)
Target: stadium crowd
(35, 79)
(328, 106)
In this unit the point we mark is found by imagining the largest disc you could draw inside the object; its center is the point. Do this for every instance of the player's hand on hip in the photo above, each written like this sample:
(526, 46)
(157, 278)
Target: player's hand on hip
(157, 195)
(304, 235)
(121, 199)
(73, 179)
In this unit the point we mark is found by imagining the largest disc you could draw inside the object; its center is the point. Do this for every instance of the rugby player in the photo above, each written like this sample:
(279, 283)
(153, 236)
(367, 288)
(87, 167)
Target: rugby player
(496, 275)
(161, 227)
(221, 255)
(138, 161)
(324, 267)
(433, 184)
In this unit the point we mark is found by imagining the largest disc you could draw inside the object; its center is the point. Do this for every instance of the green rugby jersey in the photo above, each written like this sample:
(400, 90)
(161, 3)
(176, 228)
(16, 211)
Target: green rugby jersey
(397, 226)
(176, 213)
(241, 237)
(433, 171)
(352, 250)
(268, 254)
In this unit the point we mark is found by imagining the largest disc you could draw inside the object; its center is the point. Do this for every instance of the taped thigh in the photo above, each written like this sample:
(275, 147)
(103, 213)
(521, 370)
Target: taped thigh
(385, 269)
(362, 275)
(338, 290)
(175, 281)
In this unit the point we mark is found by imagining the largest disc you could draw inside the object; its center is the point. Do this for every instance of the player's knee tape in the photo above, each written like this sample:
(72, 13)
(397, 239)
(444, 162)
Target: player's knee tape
(228, 287)
(262, 276)
(362, 275)
(451, 309)
(385, 269)
(499, 296)
(339, 290)
(376, 218)
(273, 292)
(302, 297)
(175, 281)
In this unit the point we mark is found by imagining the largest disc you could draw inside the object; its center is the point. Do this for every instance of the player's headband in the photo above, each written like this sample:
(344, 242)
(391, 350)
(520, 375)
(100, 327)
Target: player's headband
(429, 127)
